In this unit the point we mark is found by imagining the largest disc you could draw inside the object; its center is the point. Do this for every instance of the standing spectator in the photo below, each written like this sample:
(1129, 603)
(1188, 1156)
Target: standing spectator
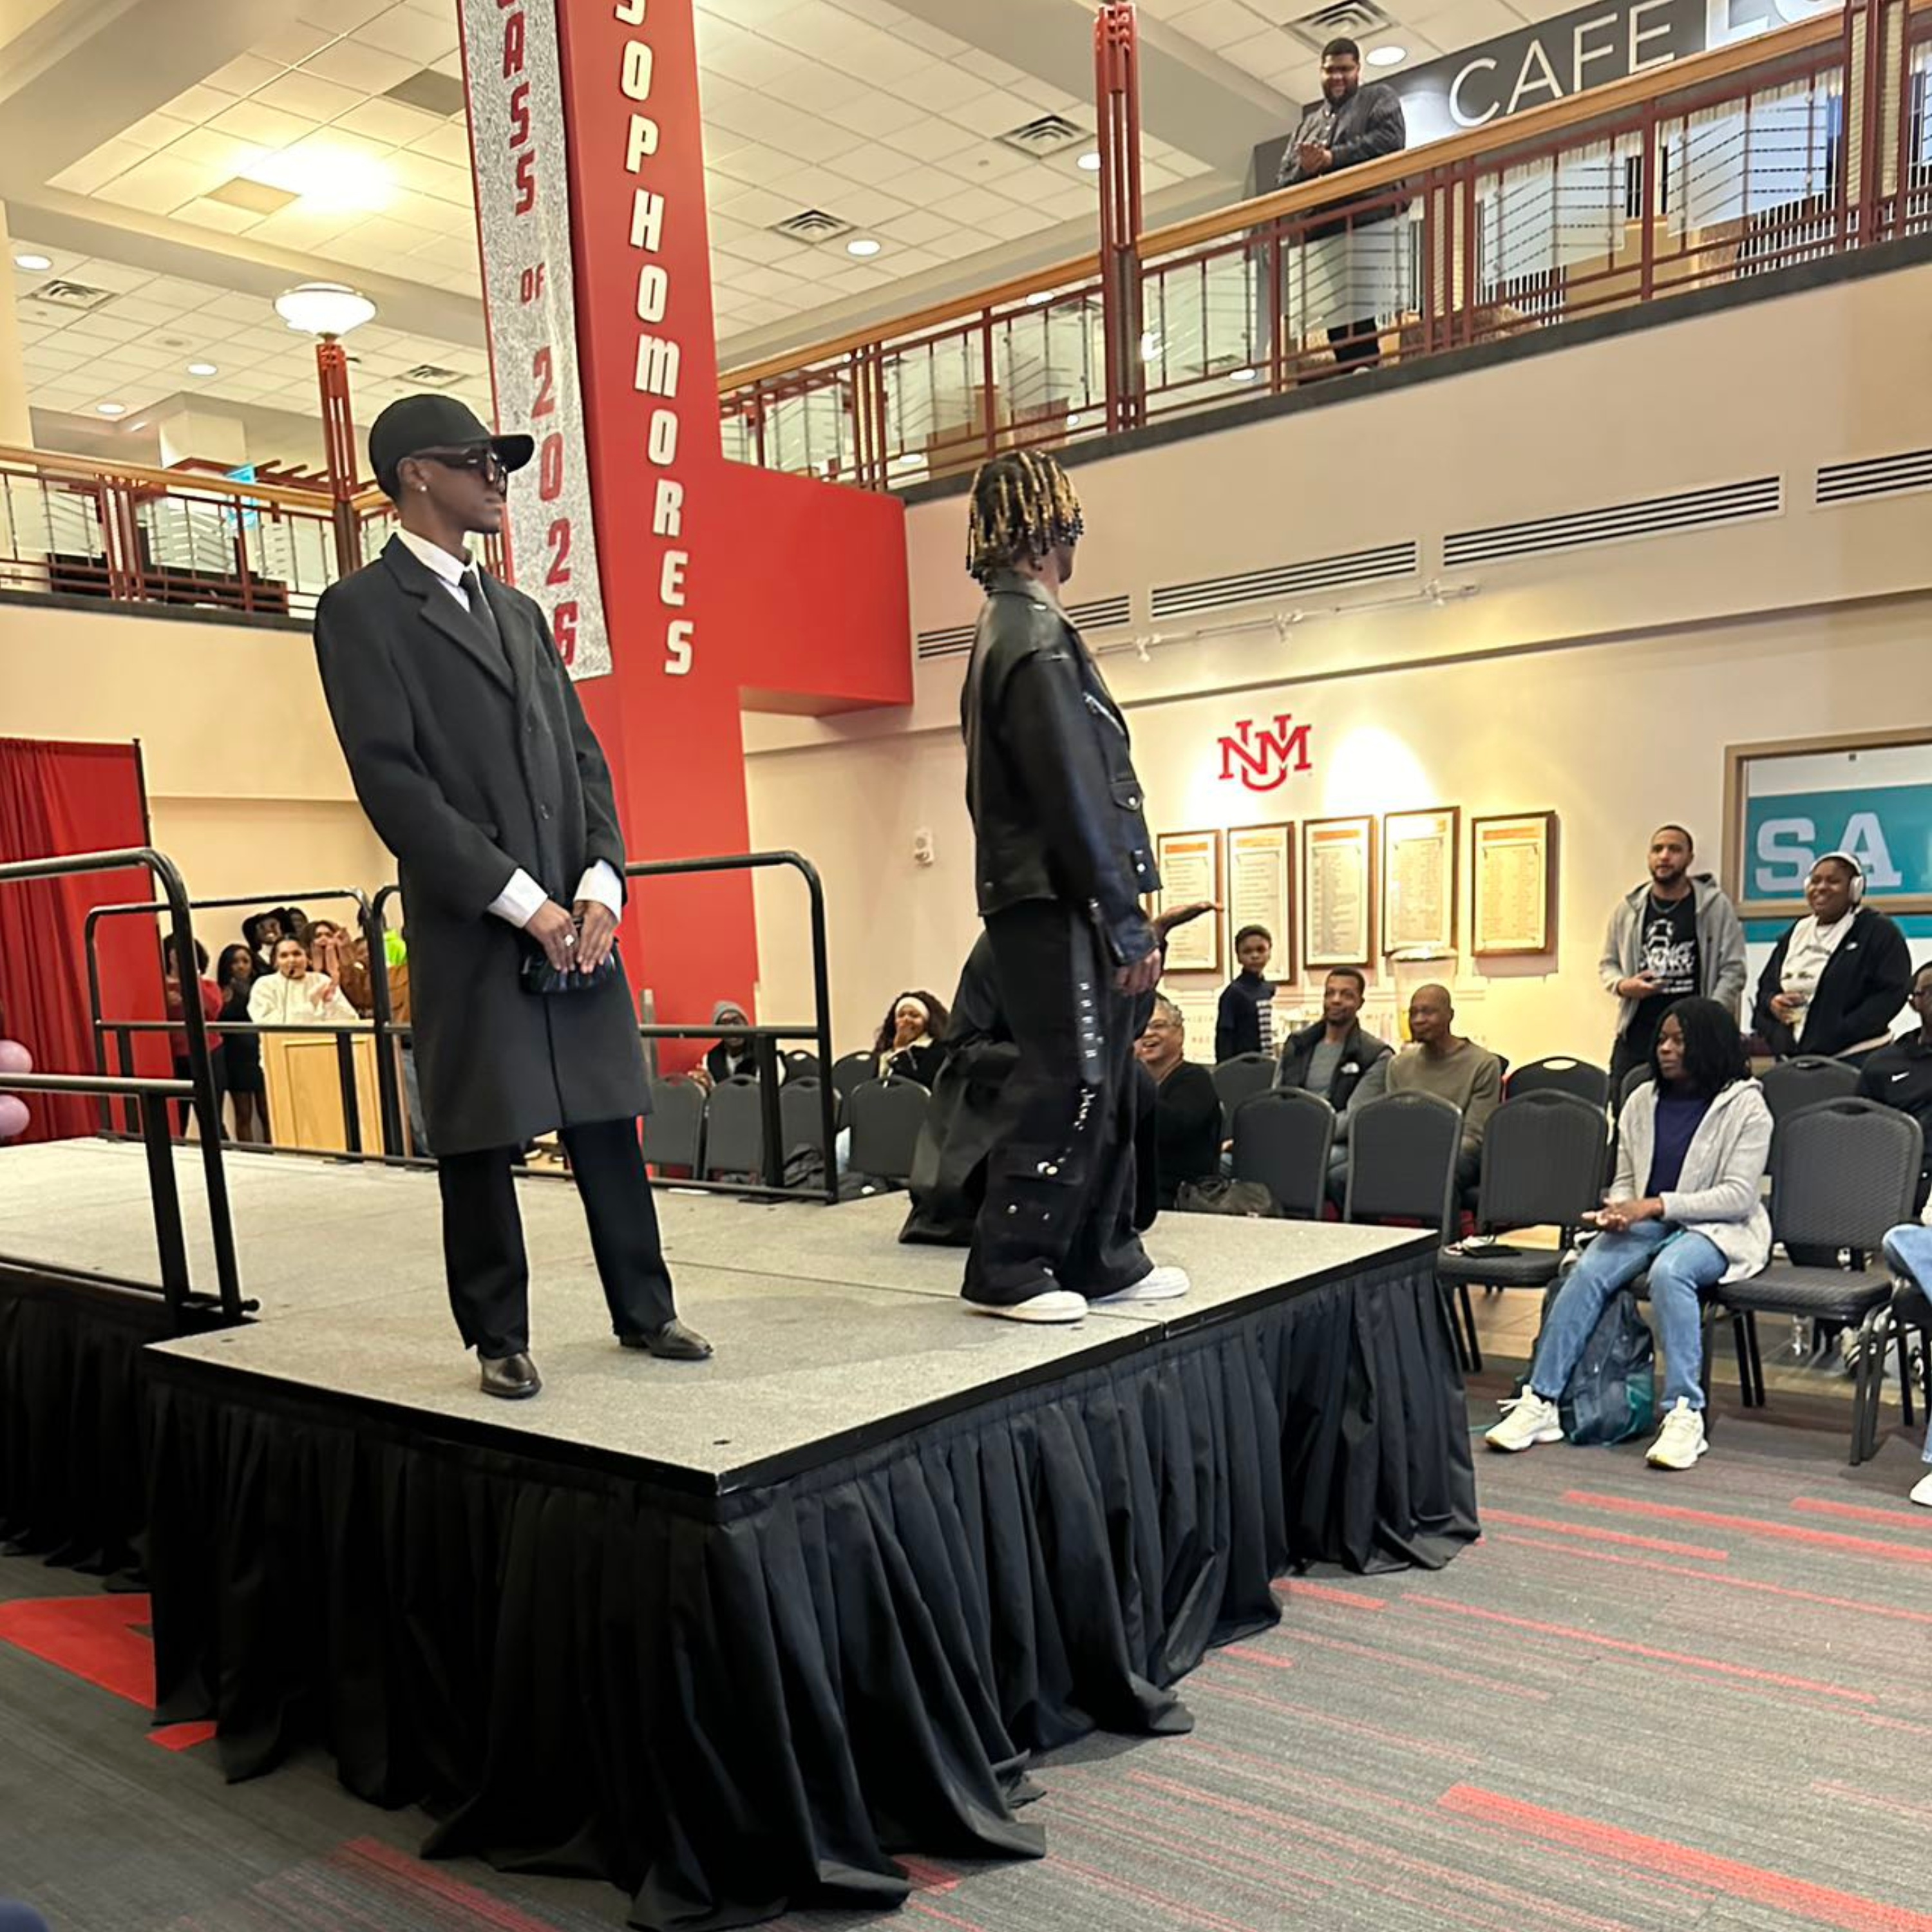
(1245, 1023)
(1901, 1075)
(1353, 124)
(1686, 1205)
(908, 1044)
(242, 1052)
(291, 995)
(1187, 1110)
(263, 932)
(1675, 936)
(210, 999)
(1455, 1070)
(1835, 982)
(1336, 1058)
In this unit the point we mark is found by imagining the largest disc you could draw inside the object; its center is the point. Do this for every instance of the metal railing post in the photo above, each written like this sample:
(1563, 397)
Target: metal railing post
(1117, 97)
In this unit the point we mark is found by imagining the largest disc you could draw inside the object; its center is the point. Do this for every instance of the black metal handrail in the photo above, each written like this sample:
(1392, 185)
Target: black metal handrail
(151, 1096)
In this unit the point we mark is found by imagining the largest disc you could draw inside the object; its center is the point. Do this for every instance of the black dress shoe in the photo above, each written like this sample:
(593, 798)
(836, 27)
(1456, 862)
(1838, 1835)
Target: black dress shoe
(674, 1341)
(513, 1377)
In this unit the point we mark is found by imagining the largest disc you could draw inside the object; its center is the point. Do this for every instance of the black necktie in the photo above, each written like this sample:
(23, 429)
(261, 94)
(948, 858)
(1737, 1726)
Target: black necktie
(479, 604)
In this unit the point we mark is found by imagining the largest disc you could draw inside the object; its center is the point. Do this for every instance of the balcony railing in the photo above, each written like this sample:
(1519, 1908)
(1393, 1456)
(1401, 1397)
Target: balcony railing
(1807, 143)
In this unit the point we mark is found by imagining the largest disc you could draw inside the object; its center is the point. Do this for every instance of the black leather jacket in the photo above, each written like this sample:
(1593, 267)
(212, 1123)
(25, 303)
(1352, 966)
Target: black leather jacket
(1057, 809)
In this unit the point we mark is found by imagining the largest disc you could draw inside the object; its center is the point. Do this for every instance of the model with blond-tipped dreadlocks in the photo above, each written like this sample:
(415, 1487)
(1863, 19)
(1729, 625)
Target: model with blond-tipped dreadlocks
(1064, 859)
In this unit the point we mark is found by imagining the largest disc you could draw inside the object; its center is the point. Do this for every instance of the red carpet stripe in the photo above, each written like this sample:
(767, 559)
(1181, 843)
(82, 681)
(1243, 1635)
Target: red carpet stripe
(1904, 1518)
(92, 1638)
(1729, 1876)
(1779, 1678)
(180, 1737)
(1296, 1591)
(1595, 1534)
(406, 1874)
(1717, 1577)
(1783, 1532)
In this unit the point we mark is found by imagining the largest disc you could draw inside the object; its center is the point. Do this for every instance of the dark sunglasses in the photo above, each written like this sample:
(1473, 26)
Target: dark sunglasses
(485, 462)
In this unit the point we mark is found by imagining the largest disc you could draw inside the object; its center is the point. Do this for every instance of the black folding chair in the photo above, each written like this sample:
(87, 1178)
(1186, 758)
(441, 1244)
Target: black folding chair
(1235, 1079)
(674, 1127)
(1560, 1074)
(1843, 1174)
(801, 1066)
(850, 1070)
(1282, 1139)
(1543, 1164)
(1791, 1084)
(734, 1128)
(885, 1116)
(1402, 1161)
(801, 1115)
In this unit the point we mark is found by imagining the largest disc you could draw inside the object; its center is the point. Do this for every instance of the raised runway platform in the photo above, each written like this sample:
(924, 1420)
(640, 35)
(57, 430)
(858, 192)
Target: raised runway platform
(730, 1633)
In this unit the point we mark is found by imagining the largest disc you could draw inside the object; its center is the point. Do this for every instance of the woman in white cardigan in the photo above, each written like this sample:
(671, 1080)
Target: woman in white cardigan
(293, 996)
(1687, 1205)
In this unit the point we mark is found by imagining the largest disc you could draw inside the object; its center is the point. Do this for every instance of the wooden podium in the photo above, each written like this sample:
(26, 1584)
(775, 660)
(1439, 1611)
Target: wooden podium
(304, 1075)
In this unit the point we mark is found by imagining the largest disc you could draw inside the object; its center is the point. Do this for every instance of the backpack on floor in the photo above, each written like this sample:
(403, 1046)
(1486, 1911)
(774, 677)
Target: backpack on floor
(1613, 1394)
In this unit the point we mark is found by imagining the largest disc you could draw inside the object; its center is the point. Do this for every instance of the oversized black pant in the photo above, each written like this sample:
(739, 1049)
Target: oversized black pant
(483, 1238)
(1059, 1188)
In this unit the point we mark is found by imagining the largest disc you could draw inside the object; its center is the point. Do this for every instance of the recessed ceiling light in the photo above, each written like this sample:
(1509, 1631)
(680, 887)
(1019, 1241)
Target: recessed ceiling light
(1241, 375)
(202, 369)
(1091, 161)
(111, 409)
(864, 245)
(33, 264)
(1073, 421)
(1387, 56)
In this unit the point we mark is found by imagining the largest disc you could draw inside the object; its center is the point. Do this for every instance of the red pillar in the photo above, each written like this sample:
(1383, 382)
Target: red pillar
(1116, 86)
(338, 442)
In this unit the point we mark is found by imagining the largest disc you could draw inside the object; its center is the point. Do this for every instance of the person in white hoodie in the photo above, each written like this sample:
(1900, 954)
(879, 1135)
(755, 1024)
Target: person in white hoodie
(1686, 1205)
(293, 996)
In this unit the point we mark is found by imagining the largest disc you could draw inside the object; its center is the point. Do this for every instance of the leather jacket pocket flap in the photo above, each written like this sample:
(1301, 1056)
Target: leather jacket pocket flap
(1127, 794)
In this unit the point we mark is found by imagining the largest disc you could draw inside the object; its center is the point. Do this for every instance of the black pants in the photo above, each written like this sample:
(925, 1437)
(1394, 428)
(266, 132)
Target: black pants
(1625, 1059)
(1354, 342)
(1059, 1189)
(483, 1238)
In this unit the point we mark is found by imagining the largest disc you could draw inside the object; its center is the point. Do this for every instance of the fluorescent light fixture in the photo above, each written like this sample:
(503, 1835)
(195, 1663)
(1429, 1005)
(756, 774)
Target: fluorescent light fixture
(1091, 161)
(328, 309)
(327, 176)
(33, 264)
(1390, 55)
(864, 245)
(111, 409)
(202, 369)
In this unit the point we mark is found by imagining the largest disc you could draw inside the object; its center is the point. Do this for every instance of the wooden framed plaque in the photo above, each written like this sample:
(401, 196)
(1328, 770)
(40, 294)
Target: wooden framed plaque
(1419, 877)
(1260, 890)
(1338, 866)
(1513, 901)
(1190, 870)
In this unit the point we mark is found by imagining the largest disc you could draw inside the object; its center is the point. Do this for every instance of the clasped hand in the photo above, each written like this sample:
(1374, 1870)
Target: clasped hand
(582, 942)
(1618, 1217)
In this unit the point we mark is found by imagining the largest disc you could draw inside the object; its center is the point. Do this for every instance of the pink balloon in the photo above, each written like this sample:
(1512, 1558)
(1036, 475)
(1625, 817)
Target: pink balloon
(14, 1058)
(13, 1116)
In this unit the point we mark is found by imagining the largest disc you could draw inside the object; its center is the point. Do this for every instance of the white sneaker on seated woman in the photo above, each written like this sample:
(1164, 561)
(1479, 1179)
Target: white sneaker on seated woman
(1698, 1135)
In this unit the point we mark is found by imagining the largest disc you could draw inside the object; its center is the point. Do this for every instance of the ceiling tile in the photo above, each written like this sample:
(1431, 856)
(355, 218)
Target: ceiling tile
(218, 215)
(941, 87)
(450, 142)
(92, 171)
(350, 64)
(389, 121)
(287, 46)
(243, 74)
(307, 94)
(227, 155)
(253, 120)
(197, 104)
(931, 138)
(417, 37)
(159, 184)
(426, 176)
(878, 118)
(153, 132)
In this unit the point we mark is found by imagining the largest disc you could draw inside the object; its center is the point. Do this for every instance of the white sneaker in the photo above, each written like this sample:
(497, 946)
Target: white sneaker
(1164, 1284)
(1055, 1304)
(1680, 1441)
(1922, 1493)
(1526, 1421)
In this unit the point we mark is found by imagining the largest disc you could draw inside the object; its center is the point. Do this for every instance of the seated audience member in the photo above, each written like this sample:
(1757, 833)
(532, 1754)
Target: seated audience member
(729, 1058)
(1187, 1110)
(908, 1044)
(1246, 1022)
(1336, 1059)
(1687, 1205)
(242, 1052)
(1835, 982)
(209, 997)
(1455, 1070)
(293, 996)
(1909, 1249)
(1900, 1075)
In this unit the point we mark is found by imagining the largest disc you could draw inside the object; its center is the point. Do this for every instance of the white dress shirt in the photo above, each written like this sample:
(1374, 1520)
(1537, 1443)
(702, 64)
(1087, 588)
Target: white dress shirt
(521, 900)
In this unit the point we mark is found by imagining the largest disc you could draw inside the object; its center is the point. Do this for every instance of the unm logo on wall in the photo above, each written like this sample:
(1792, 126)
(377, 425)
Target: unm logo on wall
(1262, 757)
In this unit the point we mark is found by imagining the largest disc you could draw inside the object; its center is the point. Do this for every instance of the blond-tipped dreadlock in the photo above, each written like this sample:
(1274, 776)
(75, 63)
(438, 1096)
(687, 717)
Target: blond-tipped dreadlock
(1023, 506)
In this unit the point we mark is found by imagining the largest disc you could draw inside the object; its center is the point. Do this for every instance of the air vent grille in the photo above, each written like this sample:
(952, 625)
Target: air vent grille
(1874, 476)
(812, 225)
(1102, 613)
(432, 376)
(1356, 19)
(1286, 579)
(1051, 134)
(955, 640)
(75, 296)
(1617, 522)
(434, 93)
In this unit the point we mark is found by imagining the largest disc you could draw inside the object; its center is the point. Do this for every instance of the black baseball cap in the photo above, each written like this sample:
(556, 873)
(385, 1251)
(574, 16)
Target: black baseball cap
(414, 423)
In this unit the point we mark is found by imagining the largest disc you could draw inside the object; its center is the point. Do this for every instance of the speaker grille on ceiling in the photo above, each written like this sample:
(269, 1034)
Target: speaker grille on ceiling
(1874, 476)
(1286, 579)
(1618, 523)
(955, 641)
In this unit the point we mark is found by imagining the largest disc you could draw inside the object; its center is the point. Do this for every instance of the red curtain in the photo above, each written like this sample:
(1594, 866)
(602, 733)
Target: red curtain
(60, 800)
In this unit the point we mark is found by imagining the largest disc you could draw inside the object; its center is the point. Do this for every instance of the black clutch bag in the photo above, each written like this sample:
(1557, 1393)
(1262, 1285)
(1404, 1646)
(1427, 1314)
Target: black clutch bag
(535, 974)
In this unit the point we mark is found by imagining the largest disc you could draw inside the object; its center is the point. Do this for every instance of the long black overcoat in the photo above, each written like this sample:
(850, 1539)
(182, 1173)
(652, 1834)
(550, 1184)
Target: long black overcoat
(473, 757)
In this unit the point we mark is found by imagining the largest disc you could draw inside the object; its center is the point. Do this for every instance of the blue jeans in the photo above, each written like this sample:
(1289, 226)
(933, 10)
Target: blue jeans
(1680, 1264)
(1909, 1249)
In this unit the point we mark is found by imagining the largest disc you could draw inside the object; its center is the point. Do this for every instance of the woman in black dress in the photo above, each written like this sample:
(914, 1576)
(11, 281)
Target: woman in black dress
(234, 974)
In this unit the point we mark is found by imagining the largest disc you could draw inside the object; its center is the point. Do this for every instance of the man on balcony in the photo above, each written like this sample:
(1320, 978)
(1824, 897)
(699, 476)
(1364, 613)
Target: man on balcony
(1353, 123)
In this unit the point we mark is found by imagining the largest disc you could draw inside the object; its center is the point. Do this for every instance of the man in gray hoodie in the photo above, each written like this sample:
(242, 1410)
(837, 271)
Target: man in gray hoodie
(1676, 935)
